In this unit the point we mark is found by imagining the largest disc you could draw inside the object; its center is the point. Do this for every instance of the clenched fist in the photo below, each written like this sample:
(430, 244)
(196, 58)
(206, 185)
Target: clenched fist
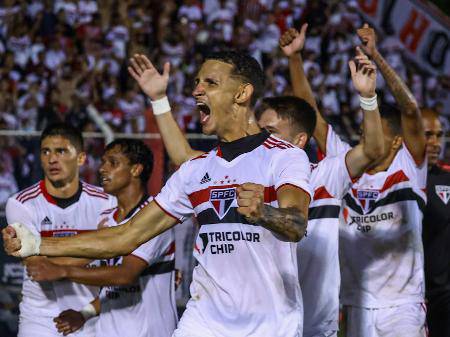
(250, 198)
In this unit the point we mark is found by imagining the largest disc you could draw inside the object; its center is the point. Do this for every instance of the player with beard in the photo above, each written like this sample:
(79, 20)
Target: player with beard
(436, 231)
(250, 195)
(59, 205)
(380, 235)
(138, 289)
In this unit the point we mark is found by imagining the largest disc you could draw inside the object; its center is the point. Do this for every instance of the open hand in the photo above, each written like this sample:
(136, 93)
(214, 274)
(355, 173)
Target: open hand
(293, 41)
(250, 198)
(152, 83)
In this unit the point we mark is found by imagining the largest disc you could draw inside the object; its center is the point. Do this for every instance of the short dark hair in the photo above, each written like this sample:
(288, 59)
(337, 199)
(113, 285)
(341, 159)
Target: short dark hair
(245, 66)
(299, 112)
(137, 153)
(65, 130)
(391, 114)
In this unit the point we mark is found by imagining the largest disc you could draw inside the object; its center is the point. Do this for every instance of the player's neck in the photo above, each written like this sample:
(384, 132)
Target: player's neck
(63, 191)
(240, 130)
(128, 199)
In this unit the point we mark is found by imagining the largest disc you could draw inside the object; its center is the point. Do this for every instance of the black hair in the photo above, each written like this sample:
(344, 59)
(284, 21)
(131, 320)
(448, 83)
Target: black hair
(137, 153)
(391, 114)
(299, 112)
(246, 67)
(64, 130)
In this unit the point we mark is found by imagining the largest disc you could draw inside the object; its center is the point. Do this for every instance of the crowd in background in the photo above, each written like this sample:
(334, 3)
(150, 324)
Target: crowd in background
(59, 56)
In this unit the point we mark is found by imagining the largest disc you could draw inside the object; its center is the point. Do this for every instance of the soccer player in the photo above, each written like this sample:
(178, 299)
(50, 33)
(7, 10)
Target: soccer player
(250, 195)
(436, 231)
(138, 290)
(59, 205)
(293, 119)
(380, 245)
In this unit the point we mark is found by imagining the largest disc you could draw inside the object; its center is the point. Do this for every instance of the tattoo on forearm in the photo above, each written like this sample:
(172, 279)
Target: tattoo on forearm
(403, 96)
(289, 222)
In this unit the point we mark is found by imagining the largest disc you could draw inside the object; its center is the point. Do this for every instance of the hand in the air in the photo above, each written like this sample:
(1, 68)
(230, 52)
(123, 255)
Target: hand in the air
(152, 83)
(293, 41)
(368, 38)
(364, 74)
(250, 199)
(69, 321)
(41, 269)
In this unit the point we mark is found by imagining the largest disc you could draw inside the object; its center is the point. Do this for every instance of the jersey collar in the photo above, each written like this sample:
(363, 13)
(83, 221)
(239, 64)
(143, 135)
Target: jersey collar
(231, 150)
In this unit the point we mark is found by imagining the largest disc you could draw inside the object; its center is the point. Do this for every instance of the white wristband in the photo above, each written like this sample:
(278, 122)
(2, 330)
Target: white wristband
(368, 104)
(30, 243)
(88, 311)
(160, 106)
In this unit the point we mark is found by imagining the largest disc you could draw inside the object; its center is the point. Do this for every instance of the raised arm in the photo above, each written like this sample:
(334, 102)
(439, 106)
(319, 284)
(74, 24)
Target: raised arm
(104, 243)
(412, 127)
(126, 273)
(292, 43)
(289, 220)
(371, 145)
(154, 85)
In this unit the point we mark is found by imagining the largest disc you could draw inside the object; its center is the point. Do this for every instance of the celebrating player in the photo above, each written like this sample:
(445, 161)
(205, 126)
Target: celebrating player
(59, 205)
(138, 289)
(250, 195)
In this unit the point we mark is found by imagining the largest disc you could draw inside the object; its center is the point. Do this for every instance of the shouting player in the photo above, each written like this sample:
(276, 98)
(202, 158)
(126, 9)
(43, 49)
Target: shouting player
(250, 195)
(138, 290)
(59, 205)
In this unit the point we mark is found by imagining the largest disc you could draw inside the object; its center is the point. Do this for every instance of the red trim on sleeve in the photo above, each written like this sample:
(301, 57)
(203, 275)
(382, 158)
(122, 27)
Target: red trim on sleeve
(168, 213)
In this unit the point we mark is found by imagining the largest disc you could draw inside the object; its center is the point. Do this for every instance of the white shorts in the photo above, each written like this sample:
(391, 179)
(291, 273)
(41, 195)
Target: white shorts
(43, 326)
(407, 320)
(192, 324)
(323, 334)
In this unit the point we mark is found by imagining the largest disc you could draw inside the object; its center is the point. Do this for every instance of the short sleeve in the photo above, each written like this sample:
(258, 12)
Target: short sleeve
(416, 173)
(335, 145)
(17, 212)
(153, 250)
(291, 166)
(332, 173)
(173, 198)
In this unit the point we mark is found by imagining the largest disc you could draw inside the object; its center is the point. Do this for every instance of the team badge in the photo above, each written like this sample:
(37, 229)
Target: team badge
(367, 198)
(443, 192)
(221, 199)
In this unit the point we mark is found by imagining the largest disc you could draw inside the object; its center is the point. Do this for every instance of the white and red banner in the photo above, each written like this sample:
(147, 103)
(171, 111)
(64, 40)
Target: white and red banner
(422, 30)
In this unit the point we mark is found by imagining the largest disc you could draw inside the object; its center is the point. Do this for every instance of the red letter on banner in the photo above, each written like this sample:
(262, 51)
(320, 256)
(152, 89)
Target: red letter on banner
(368, 6)
(414, 28)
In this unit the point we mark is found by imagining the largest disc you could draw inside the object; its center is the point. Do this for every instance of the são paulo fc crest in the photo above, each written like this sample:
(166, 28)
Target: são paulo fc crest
(221, 200)
(443, 192)
(367, 198)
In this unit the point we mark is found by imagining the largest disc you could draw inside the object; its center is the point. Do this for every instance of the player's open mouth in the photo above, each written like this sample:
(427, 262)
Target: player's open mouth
(104, 180)
(54, 170)
(205, 112)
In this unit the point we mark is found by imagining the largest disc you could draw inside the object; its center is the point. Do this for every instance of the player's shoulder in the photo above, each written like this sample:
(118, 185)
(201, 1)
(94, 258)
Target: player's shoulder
(279, 150)
(95, 192)
(275, 144)
(28, 194)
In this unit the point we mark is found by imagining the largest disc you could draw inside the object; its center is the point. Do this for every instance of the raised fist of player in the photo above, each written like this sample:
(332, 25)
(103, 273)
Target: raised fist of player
(364, 74)
(368, 38)
(19, 241)
(69, 321)
(250, 198)
(152, 83)
(41, 269)
(292, 41)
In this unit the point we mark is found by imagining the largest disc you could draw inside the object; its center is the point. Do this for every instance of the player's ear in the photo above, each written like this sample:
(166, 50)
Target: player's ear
(244, 93)
(136, 170)
(81, 158)
(300, 139)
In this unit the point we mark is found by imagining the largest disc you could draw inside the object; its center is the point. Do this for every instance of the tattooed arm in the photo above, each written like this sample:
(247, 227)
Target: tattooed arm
(289, 221)
(412, 127)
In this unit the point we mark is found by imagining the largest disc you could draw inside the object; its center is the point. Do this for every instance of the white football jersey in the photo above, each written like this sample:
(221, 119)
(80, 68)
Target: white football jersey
(35, 208)
(318, 254)
(246, 280)
(380, 235)
(146, 308)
